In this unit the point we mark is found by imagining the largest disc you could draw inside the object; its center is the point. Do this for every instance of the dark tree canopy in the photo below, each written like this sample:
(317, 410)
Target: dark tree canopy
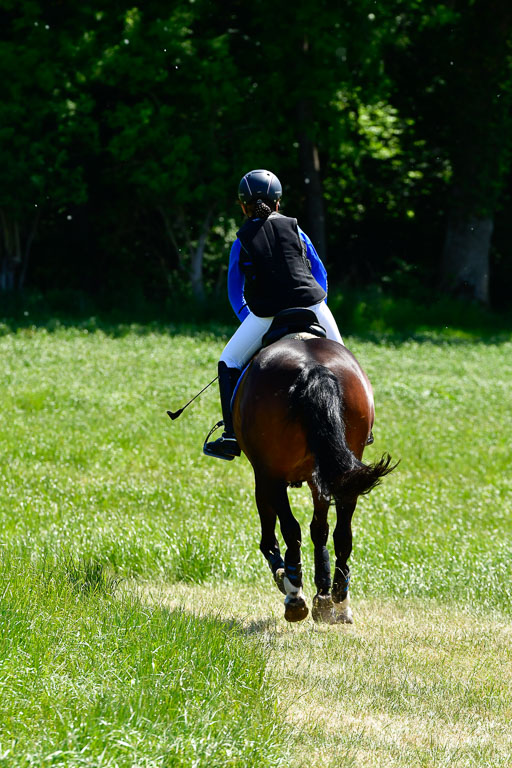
(125, 129)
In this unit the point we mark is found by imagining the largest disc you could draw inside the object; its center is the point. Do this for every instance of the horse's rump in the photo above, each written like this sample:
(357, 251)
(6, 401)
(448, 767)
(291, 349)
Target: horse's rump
(304, 413)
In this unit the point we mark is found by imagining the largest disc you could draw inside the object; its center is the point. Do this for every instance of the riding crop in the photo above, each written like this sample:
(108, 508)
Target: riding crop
(174, 414)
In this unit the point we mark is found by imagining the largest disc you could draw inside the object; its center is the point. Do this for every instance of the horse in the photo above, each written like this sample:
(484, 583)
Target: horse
(303, 412)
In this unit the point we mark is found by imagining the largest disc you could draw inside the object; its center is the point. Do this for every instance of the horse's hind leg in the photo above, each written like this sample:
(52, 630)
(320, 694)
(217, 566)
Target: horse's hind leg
(323, 607)
(272, 501)
(342, 538)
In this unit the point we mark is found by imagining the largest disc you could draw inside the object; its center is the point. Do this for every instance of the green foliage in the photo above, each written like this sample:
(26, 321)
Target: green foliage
(454, 79)
(124, 132)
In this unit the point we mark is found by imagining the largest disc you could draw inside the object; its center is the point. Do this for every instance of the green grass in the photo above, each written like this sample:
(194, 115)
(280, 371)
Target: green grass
(91, 464)
(442, 527)
(100, 490)
(90, 680)
(412, 683)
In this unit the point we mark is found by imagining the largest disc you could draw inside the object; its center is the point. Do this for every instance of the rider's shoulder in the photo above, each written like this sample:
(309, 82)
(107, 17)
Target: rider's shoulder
(281, 218)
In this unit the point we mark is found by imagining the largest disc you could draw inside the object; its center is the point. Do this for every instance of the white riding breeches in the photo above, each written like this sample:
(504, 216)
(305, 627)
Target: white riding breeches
(247, 338)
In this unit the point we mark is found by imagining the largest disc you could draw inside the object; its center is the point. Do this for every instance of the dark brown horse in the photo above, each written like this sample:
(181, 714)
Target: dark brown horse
(304, 413)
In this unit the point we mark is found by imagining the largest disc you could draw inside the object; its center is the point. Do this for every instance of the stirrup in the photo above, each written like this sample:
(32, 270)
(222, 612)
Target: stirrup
(225, 447)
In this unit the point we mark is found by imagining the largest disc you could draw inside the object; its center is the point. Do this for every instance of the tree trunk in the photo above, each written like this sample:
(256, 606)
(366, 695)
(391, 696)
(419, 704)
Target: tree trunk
(477, 107)
(27, 249)
(465, 265)
(14, 255)
(196, 259)
(310, 167)
(169, 231)
(9, 258)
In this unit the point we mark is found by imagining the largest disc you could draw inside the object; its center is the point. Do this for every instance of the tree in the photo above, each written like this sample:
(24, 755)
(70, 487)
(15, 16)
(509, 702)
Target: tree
(481, 142)
(452, 67)
(296, 69)
(166, 98)
(38, 129)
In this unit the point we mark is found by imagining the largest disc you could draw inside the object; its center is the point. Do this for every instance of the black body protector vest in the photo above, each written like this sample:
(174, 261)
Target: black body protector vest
(273, 260)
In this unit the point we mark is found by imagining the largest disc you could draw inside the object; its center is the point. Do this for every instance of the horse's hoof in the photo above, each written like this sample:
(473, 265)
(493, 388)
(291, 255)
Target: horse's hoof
(344, 618)
(323, 611)
(343, 612)
(279, 580)
(296, 610)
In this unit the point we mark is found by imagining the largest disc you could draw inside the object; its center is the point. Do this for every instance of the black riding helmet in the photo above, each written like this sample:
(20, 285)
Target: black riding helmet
(259, 185)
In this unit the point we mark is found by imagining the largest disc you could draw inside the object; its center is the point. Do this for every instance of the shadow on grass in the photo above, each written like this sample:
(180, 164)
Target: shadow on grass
(114, 328)
(214, 331)
(365, 316)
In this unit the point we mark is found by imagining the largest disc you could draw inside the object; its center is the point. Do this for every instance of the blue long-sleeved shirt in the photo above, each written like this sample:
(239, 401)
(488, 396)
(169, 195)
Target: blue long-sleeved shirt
(236, 278)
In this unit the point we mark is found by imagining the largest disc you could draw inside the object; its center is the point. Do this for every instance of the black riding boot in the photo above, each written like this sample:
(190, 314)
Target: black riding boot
(225, 447)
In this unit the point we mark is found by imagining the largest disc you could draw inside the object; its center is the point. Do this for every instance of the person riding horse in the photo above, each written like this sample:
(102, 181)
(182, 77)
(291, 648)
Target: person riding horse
(273, 266)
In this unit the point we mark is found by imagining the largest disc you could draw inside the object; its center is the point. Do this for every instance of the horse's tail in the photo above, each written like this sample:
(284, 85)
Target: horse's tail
(316, 400)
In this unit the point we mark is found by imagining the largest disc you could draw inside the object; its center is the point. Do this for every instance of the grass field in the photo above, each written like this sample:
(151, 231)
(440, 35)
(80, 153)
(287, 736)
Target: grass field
(139, 623)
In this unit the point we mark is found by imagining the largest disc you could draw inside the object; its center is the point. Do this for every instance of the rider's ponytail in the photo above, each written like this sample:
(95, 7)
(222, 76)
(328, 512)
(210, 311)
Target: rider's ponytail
(262, 210)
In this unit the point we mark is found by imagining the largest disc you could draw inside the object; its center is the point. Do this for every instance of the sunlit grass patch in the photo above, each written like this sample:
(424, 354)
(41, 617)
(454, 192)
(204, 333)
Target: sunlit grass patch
(411, 683)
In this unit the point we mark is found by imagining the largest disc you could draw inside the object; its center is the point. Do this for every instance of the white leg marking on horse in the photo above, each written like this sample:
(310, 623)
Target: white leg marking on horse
(292, 592)
(344, 609)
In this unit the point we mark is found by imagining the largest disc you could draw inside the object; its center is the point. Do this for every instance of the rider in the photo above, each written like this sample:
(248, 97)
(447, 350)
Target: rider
(273, 265)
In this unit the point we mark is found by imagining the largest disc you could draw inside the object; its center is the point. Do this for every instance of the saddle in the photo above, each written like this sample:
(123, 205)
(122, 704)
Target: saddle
(296, 322)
